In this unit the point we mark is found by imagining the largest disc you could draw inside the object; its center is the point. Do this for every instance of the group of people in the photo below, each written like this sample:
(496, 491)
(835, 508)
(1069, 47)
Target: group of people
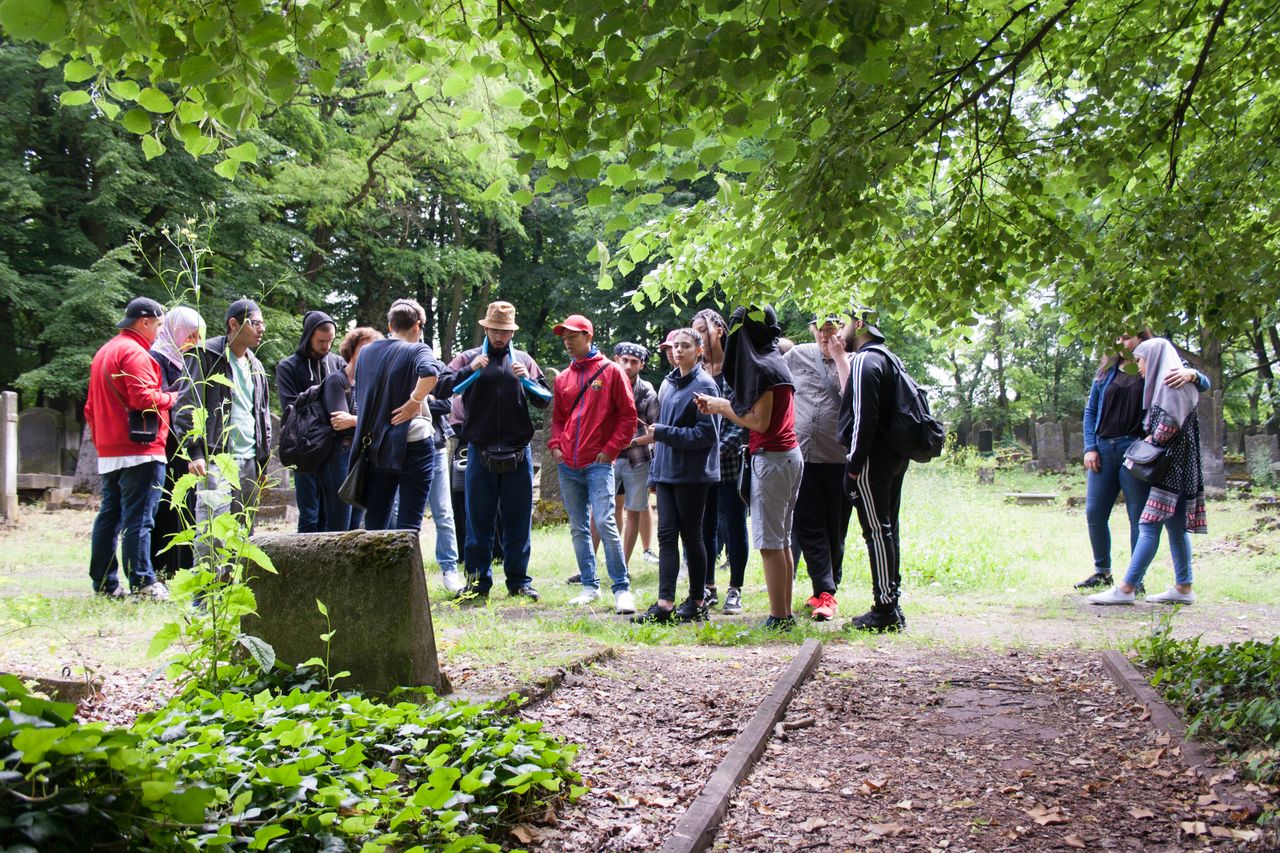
(737, 428)
(1144, 393)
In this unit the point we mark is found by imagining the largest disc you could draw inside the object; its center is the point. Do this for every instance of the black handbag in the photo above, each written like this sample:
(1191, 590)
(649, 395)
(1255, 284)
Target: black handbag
(144, 425)
(744, 479)
(352, 489)
(1146, 461)
(501, 461)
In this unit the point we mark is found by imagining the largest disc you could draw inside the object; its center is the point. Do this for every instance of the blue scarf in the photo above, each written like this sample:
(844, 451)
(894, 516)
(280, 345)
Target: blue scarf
(530, 386)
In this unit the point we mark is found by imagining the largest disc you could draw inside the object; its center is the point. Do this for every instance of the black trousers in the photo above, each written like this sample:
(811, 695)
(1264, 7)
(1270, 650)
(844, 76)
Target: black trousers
(878, 496)
(821, 523)
(680, 510)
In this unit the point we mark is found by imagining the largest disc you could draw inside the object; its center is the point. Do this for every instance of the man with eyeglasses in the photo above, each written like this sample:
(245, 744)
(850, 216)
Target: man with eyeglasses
(237, 411)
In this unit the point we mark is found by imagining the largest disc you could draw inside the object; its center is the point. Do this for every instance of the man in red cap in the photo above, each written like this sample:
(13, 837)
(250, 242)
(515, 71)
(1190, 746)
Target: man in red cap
(592, 419)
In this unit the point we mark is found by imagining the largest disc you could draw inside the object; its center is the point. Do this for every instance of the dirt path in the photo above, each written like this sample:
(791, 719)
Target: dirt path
(907, 750)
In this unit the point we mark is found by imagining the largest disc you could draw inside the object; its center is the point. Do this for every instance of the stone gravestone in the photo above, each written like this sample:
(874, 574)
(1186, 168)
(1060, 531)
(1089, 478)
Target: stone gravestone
(1022, 434)
(1235, 441)
(375, 589)
(548, 474)
(87, 478)
(40, 441)
(986, 441)
(1049, 443)
(1075, 446)
(1260, 453)
(8, 456)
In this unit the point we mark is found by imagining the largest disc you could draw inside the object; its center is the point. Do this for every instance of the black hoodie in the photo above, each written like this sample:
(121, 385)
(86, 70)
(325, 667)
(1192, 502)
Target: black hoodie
(298, 372)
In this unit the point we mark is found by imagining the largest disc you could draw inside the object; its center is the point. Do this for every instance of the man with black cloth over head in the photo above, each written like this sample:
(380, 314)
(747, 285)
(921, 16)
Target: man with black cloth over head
(873, 472)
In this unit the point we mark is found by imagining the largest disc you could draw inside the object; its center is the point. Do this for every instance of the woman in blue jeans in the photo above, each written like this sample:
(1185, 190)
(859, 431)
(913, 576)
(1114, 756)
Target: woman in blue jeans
(1112, 421)
(1176, 500)
(338, 393)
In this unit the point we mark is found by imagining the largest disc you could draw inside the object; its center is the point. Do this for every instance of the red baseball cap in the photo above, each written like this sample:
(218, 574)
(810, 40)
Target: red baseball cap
(575, 323)
(670, 341)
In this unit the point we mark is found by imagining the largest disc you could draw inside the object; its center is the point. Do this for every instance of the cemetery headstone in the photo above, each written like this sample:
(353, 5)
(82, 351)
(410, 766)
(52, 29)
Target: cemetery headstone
(375, 591)
(40, 441)
(1261, 452)
(86, 474)
(986, 441)
(8, 456)
(1075, 446)
(1052, 455)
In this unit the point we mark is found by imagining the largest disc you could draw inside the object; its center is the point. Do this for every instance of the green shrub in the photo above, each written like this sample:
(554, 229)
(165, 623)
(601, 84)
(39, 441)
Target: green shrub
(1227, 693)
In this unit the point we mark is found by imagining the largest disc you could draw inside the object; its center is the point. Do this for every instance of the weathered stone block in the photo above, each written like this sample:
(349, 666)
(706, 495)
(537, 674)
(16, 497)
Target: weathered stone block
(1049, 445)
(375, 589)
(1261, 451)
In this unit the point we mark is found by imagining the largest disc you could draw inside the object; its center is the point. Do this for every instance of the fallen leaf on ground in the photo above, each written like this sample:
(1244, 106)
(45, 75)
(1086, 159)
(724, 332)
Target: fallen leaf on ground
(1048, 817)
(886, 830)
(524, 833)
(813, 823)
(906, 805)
(1141, 814)
(1193, 827)
(1074, 841)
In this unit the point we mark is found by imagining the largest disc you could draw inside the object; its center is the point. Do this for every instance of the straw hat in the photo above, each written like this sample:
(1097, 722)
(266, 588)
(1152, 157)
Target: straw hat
(500, 316)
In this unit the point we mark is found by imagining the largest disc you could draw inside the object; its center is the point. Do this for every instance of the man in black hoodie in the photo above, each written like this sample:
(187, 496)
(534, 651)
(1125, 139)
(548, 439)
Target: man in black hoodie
(308, 366)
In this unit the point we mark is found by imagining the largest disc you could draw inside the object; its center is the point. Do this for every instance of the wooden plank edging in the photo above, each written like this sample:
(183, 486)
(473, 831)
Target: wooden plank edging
(698, 825)
(1166, 721)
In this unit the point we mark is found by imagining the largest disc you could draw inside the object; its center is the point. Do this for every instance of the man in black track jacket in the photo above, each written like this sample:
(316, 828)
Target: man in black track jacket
(873, 472)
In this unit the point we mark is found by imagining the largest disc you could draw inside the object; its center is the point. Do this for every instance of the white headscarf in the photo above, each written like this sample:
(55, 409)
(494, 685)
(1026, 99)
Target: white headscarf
(1162, 359)
(179, 323)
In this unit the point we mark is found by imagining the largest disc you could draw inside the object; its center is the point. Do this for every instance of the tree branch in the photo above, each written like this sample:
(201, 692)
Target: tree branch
(1184, 99)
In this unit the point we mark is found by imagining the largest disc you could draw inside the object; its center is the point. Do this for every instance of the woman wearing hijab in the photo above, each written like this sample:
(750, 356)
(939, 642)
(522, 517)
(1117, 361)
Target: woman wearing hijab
(1176, 502)
(183, 328)
(762, 402)
(1113, 419)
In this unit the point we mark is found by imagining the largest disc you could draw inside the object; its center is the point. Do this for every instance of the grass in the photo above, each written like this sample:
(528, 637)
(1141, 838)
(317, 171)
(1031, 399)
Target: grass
(977, 571)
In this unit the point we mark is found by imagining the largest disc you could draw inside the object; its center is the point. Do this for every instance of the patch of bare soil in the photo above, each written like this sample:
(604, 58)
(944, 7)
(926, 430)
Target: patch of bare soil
(909, 750)
(653, 725)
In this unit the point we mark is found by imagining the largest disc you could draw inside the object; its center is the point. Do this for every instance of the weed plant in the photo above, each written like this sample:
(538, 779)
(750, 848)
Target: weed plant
(1227, 692)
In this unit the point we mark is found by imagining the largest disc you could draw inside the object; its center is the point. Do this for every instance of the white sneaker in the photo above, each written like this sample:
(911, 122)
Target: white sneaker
(1172, 596)
(589, 595)
(1112, 596)
(650, 557)
(624, 602)
(453, 581)
(156, 590)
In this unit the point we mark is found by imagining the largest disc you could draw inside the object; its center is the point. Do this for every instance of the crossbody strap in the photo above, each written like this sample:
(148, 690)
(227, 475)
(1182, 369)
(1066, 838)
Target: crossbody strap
(583, 389)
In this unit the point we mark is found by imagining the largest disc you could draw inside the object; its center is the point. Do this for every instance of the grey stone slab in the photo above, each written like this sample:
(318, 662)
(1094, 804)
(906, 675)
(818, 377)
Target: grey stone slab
(375, 589)
(40, 441)
(87, 478)
(1051, 452)
(8, 456)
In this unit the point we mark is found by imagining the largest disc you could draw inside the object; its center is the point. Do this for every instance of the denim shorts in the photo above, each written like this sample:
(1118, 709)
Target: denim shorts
(633, 481)
(775, 485)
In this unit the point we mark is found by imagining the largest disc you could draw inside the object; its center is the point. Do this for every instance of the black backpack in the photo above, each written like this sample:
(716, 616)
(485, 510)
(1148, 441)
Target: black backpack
(306, 436)
(910, 429)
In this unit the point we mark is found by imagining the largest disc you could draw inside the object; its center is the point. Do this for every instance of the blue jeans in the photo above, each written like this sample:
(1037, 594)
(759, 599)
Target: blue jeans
(337, 512)
(1149, 542)
(587, 494)
(442, 513)
(1101, 490)
(307, 494)
(408, 485)
(129, 500)
(489, 494)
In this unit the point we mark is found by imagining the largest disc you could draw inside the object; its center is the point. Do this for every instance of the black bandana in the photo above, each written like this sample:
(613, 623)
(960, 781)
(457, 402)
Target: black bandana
(752, 363)
(633, 350)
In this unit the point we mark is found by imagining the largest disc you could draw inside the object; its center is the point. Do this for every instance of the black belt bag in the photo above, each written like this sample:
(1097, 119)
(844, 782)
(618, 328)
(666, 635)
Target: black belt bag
(501, 461)
(1147, 462)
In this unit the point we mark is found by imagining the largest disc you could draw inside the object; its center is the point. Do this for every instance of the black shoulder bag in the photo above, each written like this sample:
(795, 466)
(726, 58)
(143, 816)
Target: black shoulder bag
(144, 426)
(352, 490)
(1146, 461)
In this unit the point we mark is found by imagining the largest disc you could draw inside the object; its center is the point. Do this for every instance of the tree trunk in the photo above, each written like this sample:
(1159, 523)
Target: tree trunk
(448, 338)
(486, 289)
(1002, 392)
(1210, 412)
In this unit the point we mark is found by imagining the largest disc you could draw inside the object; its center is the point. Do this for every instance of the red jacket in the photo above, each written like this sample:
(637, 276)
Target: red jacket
(125, 364)
(604, 419)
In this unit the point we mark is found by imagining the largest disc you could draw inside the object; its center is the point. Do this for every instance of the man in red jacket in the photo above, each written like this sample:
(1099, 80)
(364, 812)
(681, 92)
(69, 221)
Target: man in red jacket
(592, 419)
(125, 378)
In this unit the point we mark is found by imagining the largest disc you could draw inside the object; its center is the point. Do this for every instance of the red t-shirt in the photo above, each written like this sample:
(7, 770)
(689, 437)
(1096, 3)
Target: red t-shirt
(781, 434)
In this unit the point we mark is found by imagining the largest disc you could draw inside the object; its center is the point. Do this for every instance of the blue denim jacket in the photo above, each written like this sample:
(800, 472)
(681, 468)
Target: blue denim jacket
(1097, 393)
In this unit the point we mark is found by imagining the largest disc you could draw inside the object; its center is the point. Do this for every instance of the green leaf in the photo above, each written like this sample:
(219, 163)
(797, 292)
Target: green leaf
(598, 196)
(522, 197)
(227, 169)
(510, 98)
(125, 89)
(136, 121)
(495, 190)
(153, 100)
(198, 69)
(261, 651)
(265, 835)
(469, 118)
(25, 20)
(152, 147)
(454, 86)
(163, 639)
(244, 153)
(73, 98)
(324, 611)
(77, 71)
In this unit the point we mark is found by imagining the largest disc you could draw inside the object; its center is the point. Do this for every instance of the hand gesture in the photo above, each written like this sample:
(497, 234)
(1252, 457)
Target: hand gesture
(407, 412)
(1092, 461)
(480, 362)
(197, 467)
(518, 368)
(1181, 376)
(342, 420)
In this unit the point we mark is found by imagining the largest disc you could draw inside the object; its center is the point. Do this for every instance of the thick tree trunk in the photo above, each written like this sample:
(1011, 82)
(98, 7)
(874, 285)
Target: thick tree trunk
(486, 289)
(448, 337)
(1210, 411)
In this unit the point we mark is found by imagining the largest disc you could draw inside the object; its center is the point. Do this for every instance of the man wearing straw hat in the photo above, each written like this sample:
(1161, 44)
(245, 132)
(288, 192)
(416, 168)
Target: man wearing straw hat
(497, 384)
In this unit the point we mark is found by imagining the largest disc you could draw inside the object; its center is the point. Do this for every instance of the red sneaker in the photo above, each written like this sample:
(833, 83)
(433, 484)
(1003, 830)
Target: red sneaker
(825, 608)
(813, 602)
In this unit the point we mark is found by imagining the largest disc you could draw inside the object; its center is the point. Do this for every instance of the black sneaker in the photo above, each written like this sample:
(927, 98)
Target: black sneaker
(654, 614)
(526, 591)
(472, 596)
(779, 623)
(879, 621)
(709, 597)
(1095, 580)
(690, 611)
(574, 578)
